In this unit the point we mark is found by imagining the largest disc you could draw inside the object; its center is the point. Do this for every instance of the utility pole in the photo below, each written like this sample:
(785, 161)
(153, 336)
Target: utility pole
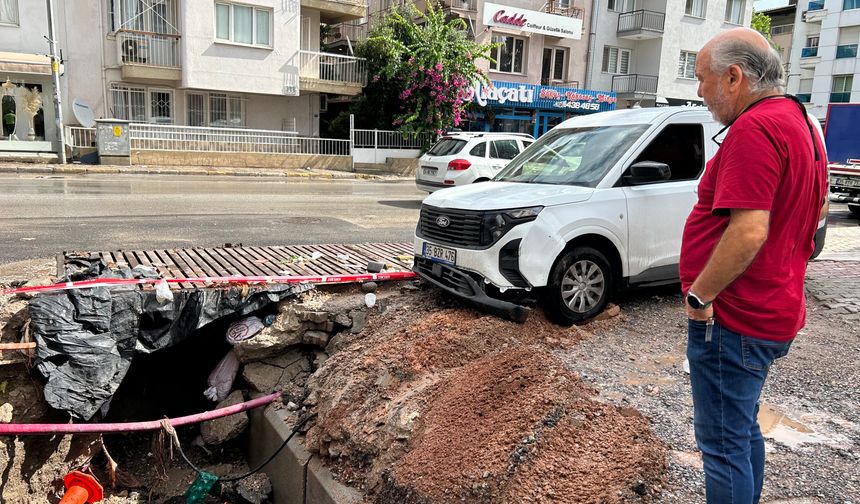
(55, 73)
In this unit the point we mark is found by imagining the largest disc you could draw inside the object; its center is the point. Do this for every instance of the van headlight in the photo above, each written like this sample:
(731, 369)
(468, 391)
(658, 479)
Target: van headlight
(496, 224)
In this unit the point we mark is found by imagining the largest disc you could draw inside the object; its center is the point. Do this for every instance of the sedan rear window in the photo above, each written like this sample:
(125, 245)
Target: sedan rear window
(447, 147)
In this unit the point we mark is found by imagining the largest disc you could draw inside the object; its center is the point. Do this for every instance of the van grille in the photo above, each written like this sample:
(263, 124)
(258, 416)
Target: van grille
(463, 229)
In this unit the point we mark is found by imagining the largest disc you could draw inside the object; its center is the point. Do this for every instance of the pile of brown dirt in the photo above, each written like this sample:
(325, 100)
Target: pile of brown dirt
(454, 406)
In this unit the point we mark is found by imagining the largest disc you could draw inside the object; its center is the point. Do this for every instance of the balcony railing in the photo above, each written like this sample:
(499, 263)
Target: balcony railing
(843, 97)
(464, 5)
(804, 97)
(641, 20)
(557, 8)
(781, 30)
(149, 49)
(634, 83)
(353, 31)
(816, 5)
(809, 52)
(846, 51)
(332, 67)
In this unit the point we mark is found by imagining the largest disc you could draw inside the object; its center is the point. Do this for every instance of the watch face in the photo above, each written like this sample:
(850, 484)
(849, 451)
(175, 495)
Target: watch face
(693, 301)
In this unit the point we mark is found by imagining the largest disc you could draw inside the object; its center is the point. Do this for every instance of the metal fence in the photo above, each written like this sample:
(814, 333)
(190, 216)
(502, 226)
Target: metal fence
(355, 32)
(641, 20)
(781, 30)
(333, 67)
(78, 137)
(199, 139)
(149, 49)
(634, 83)
(386, 139)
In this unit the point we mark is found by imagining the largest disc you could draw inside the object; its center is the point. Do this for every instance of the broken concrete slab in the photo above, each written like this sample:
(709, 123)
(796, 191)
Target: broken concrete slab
(223, 429)
(275, 373)
(316, 338)
(268, 343)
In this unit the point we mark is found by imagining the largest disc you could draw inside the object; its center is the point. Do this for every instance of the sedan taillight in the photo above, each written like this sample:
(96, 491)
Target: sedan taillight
(459, 164)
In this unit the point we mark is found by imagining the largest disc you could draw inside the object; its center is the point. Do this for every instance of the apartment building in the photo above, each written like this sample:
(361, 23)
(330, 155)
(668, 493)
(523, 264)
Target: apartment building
(824, 64)
(645, 50)
(25, 78)
(252, 64)
(540, 62)
(782, 30)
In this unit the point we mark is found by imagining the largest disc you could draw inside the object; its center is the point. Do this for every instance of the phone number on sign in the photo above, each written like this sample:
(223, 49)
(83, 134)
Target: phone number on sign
(577, 105)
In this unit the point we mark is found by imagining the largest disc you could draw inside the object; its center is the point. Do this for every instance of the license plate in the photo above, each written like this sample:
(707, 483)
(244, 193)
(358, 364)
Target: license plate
(429, 170)
(440, 254)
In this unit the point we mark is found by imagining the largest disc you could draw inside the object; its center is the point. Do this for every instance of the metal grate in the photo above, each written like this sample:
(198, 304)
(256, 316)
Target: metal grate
(463, 228)
(290, 260)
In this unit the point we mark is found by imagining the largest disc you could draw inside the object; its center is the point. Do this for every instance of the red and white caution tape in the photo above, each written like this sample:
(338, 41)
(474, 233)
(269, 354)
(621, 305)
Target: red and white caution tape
(238, 279)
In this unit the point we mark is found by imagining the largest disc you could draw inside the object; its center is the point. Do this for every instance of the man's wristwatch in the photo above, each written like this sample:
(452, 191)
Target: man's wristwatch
(696, 303)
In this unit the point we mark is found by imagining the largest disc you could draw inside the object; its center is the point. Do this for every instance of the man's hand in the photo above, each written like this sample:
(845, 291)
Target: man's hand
(699, 315)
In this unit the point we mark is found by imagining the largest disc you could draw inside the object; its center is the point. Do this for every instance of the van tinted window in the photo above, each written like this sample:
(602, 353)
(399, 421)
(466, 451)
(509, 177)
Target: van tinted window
(447, 147)
(682, 147)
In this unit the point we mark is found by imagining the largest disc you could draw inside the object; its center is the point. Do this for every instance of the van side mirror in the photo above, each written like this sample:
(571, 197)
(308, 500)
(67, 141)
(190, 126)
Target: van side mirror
(647, 172)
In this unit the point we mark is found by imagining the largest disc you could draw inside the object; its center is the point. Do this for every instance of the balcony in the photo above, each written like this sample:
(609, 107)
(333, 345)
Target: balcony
(781, 30)
(634, 85)
(809, 57)
(641, 24)
(564, 9)
(463, 6)
(804, 97)
(146, 55)
(840, 97)
(846, 51)
(340, 33)
(331, 73)
(815, 12)
(337, 11)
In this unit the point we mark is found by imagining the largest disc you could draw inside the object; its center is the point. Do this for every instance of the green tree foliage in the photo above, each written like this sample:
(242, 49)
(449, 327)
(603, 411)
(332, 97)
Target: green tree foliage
(422, 67)
(761, 23)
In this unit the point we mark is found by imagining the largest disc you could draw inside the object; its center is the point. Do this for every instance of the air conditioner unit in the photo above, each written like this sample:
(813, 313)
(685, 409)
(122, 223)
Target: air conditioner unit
(134, 51)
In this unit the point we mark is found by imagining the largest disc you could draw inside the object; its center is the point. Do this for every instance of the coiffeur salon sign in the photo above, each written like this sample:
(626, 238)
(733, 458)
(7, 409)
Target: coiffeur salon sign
(512, 94)
(515, 18)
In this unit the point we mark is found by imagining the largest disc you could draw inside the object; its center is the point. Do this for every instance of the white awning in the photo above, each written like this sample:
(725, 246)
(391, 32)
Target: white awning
(25, 63)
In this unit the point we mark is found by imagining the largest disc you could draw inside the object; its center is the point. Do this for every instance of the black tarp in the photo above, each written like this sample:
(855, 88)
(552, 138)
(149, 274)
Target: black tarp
(87, 338)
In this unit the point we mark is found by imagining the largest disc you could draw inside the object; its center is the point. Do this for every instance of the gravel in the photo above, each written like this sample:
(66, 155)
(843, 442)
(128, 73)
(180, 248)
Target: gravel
(811, 399)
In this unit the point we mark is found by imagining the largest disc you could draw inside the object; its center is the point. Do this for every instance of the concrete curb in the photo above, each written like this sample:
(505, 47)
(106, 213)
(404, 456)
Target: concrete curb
(298, 477)
(193, 171)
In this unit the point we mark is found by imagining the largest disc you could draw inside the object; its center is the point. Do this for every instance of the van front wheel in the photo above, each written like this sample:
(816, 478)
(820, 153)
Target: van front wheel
(579, 286)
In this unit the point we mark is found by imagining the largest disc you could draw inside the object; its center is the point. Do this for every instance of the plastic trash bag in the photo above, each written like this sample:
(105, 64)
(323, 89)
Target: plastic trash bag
(163, 294)
(244, 329)
(370, 299)
(221, 378)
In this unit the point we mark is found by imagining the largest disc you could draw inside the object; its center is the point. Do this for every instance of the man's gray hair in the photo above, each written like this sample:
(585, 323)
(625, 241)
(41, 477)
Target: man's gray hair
(762, 67)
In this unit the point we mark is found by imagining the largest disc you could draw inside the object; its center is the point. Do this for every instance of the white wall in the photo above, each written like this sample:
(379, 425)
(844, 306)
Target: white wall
(212, 65)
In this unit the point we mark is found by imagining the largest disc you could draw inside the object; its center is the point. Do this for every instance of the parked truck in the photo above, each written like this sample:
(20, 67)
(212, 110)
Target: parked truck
(843, 152)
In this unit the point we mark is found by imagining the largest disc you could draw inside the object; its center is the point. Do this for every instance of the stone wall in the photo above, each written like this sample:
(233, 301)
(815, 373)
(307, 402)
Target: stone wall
(241, 160)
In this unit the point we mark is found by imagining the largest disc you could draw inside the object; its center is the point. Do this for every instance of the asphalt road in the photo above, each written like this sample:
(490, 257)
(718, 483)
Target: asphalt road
(43, 216)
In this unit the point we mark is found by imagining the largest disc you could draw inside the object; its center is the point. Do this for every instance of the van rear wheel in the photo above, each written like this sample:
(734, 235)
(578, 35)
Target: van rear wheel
(579, 286)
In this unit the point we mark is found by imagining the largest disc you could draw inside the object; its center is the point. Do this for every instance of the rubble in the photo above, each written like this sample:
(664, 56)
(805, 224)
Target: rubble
(221, 430)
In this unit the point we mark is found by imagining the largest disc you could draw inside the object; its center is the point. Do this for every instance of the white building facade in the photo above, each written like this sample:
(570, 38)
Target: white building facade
(645, 50)
(254, 64)
(824, 67)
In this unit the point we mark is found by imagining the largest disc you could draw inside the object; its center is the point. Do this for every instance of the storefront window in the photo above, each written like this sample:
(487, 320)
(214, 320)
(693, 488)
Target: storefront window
(508, 55)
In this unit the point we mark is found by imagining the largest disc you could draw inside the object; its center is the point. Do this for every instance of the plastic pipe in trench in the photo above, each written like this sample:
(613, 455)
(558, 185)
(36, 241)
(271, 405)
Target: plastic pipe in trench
(103, 428)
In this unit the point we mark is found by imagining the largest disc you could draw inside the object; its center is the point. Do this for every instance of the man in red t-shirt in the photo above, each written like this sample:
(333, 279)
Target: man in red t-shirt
(744, 253)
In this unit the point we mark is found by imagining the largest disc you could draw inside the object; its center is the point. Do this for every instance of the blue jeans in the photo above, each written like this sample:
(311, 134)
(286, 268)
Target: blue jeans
(727, 373)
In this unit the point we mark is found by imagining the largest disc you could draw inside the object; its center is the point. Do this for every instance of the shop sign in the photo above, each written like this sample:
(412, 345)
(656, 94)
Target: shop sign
(505, 16)
(532, 96)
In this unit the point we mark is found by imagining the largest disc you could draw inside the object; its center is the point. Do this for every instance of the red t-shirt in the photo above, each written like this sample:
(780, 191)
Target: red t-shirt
(766, 162)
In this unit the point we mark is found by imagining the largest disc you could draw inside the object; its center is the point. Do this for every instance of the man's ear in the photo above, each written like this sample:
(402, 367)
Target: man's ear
(735, 75)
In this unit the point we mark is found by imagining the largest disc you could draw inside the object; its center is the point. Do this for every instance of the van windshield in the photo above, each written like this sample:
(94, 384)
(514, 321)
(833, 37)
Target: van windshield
(572, 156)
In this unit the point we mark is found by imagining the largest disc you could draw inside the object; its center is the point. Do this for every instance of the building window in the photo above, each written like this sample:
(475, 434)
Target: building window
(695, 8)
(553, 69)
(616, 60)
(243, 24)
(161, 106)
(735, 12)
(156, 16)
(508, 55)
(851, 4)
(226, 111)
(687, 65)
(622, 5)
(840, 90)
(196, 109)
(128, 102)
(9, 12)
(847, 46)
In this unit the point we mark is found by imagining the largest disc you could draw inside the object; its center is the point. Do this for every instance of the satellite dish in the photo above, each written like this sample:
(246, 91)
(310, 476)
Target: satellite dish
(83, 113)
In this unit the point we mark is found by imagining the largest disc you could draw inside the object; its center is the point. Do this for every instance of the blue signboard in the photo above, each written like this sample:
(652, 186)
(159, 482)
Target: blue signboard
(533, 96)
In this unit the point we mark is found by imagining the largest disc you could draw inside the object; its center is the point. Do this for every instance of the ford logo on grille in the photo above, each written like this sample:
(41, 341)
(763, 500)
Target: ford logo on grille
(443, 221)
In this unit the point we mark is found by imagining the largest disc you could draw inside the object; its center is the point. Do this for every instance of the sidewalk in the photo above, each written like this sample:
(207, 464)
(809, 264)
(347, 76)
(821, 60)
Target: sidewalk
(84, 169)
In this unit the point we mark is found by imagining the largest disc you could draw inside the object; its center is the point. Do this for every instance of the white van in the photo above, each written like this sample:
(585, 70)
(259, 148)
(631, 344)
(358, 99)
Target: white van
(597, 203)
